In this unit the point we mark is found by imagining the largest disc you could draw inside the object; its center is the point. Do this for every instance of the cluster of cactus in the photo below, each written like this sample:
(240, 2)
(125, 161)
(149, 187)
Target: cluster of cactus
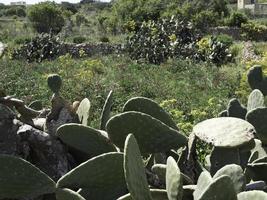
(140, 154)
(257, 80)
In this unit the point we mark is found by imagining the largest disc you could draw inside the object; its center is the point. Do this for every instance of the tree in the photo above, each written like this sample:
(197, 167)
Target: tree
(46, 17)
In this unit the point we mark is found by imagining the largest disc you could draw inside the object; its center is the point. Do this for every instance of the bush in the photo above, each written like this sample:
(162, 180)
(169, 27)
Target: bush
(225, 39)
(158, 41)
(46, 17)
(104, 39)
(42, 47)
(79, 39)
(22, 40)
(16, 11)
(237, 19)
(205, 19)
(254, 31)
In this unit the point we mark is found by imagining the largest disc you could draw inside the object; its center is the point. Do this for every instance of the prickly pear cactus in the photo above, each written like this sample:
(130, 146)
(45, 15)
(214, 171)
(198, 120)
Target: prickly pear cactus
(255, 195)
(225, 132)
(257, 80)
(255, 100)
(257, 170)
(258, 118)
(85, 139)
(156, 194)
(235, 172)
(259, 151)
(215, 188)
(150, 107)
(203, 181)
(54, 83)
(83, 111)
(235, 109)
(230, 156)
(105, 115)
(134, 170)
(160, 170)
(67, 194)
(174, 180)
(20, 179)
(152, 135)
(100, 178)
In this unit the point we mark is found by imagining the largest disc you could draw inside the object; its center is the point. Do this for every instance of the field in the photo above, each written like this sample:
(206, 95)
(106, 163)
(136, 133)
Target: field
(163, 110)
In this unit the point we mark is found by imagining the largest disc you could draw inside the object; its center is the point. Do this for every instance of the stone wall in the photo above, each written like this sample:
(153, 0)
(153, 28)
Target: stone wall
(89, 49)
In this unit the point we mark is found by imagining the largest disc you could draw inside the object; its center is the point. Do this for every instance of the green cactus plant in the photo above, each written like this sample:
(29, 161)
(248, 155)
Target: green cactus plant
(85, 139)
(134, 170)
(54, 82)
(105, 115)
(255, 100)
(230, 156)
(101, 173)
(174, 180)
(67, 194)
(213, 190)
(257, 80)
(235, 172)
(157, 194)
(21, 179)
(255, 195)
(225, 132)
(258, 118)
(257, 170)
(259, 151)
(83, 111)
(150, 107)
(235, 109)
(152, 135)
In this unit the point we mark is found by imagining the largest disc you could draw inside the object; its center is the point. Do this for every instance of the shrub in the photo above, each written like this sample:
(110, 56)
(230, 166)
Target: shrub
(44, 46)
(254, 31)
(205, 19)
(225, 39)
(158, 41)
(46, 17)
(22, 40)
(104, 39)
(16, 11)
(79, 39)
(237, 19)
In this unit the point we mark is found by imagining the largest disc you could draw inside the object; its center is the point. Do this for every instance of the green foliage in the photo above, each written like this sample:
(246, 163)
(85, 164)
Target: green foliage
(236, 19)
(79, 39)
(46, 17)
(43, 46)
(254, 31)
(158, 41)
(19, 11)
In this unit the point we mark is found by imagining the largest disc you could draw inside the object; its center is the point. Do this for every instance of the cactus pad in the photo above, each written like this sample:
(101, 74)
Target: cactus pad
(257, 171)
(85, 139)
(66, 194)
(235, 172)
(54, 82)
(221, 188)
(255, 100)
(235, 109)
(226, 132)
(255, 195)
(83, 111)
(20, 179)
(150, 107)
(98, 175)
(152, 135)
(134, 170)
(203, 181)
(105, 115)
(174, 180)
(257, 80)
(156, 194)
(258, 118)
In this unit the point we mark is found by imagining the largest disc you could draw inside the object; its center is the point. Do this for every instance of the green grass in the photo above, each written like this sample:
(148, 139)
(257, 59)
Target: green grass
(191, 84)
